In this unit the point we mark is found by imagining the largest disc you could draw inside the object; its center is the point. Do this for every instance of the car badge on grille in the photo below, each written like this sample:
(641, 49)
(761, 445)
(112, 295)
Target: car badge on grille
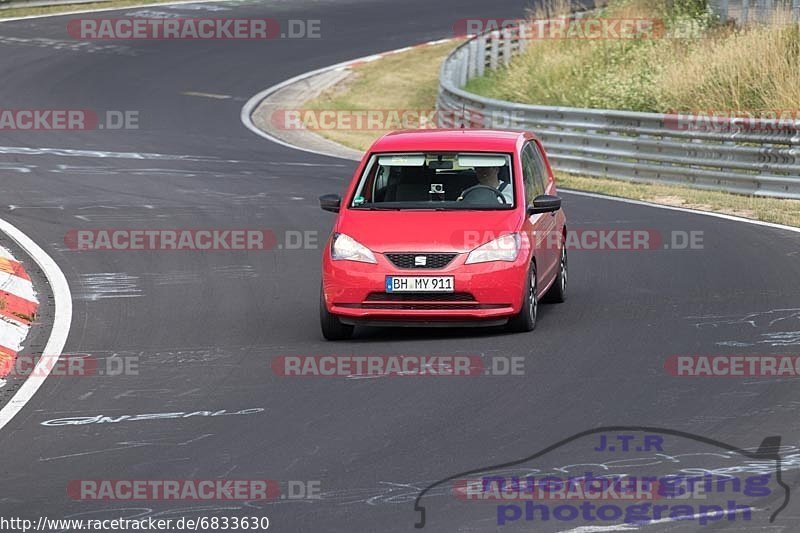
(420, 260)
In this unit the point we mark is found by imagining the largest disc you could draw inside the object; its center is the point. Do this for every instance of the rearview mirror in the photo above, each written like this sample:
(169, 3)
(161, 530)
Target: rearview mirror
(544, 203)
(330, 202)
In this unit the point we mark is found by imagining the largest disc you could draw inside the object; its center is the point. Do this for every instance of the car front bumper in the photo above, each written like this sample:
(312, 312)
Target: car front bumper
(488, 293)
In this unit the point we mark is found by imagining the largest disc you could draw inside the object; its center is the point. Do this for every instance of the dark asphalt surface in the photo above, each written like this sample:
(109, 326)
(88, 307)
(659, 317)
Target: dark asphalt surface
(204, 327)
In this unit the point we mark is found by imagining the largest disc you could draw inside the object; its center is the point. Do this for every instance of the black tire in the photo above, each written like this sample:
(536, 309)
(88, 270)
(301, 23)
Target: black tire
(558, 291)
(332, 327)
(525, 320)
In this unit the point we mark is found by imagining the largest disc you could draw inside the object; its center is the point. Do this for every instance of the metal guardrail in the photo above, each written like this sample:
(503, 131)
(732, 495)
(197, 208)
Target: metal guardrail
(756, 158)
(749, 11)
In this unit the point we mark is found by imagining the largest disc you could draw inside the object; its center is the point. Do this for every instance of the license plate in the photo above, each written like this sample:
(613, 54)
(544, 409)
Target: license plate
(419, 283)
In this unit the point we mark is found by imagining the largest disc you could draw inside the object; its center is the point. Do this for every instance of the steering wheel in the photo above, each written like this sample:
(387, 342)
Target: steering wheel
(482, 193)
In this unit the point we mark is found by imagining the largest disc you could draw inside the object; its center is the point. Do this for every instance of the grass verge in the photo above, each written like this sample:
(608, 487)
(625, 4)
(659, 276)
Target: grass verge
(765, 209)
(695, 64)
(405, 81)
(409, 80)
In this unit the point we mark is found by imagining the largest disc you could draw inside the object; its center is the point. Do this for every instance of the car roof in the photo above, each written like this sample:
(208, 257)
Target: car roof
(449, 140)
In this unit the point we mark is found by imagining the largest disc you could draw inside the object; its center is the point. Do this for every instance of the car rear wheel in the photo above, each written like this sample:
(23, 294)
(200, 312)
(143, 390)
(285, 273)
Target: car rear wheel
(332, 327)
(525, 320)
(558, 292)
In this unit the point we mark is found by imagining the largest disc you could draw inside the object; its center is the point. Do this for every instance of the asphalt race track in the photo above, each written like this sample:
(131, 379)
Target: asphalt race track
(204, 327)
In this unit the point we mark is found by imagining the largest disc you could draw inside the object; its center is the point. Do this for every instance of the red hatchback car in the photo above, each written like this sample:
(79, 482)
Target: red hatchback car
(445, 227)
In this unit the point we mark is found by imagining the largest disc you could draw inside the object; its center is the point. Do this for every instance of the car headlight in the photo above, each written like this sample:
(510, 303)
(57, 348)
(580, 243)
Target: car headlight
(505, 248)
(346, 248)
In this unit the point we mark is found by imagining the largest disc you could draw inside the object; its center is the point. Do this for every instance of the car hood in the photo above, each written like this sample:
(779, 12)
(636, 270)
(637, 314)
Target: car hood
(427, 231)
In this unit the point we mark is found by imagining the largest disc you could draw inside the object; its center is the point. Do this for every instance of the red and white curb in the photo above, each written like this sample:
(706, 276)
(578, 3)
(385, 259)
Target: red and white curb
(62, 316)
(18, 306)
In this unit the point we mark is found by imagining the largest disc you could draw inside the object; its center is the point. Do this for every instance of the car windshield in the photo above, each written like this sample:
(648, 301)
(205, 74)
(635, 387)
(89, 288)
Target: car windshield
(436, 181)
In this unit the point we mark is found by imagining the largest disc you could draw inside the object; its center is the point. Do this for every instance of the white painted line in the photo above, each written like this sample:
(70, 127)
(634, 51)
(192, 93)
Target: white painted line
(400, 50)
(62, 320)
(370, 59)
(101, 9)
(207, 95)
(441, 41)
(17, 286)
(682, 210)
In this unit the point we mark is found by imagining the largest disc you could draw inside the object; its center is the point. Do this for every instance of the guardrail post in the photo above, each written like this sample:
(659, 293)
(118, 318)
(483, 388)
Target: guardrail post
(760, 10)
(720, 9)
(506, 46)
(494, 52)
(473, 59)
(745, 12)
(725, 8)
(462, 67)
(481, 55)
(523, 36)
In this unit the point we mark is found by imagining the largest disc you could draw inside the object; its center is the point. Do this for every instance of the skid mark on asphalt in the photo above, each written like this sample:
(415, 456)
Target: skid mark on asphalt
(16, 167)
(152, 14)
(105, 285)
(106, 419)
(199, 7)
(102, 154)
(236, 271)
(155, 172)
(785, 338)
(69, 46)
(175, 277)
(146, 216)
(783, 323)
(176, 356)
(127, 445)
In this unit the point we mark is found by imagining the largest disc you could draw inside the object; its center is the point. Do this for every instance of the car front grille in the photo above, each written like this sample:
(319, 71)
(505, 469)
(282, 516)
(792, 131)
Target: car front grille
(420, 297)
(409, 260)
(422, 302)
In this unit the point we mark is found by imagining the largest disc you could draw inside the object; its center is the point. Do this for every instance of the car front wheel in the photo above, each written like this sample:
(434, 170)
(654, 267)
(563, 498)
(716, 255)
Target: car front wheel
(525, 320)
(332, 328)
(558, 292)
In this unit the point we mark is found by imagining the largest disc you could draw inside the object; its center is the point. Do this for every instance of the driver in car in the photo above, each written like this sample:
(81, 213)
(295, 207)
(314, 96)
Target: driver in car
(488, 176)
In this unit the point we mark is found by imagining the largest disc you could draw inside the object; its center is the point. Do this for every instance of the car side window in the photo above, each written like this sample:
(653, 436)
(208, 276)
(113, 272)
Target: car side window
(540, 166)
(533, 182)
(381, 181)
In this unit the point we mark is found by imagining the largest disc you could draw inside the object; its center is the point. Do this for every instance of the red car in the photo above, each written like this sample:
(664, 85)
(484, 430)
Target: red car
(445, 227)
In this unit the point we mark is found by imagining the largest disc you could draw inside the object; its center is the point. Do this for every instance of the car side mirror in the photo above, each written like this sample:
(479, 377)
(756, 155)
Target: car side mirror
(544, 203)
(330, 202)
